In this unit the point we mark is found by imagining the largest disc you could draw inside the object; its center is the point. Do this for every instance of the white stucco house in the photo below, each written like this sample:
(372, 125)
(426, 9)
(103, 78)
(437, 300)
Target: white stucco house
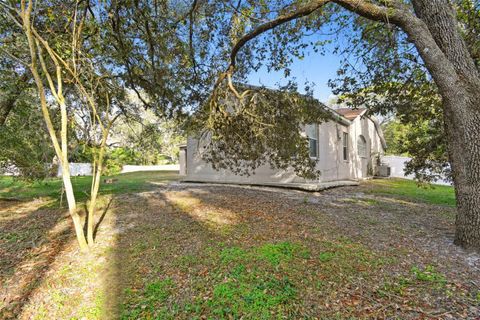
(346, 149)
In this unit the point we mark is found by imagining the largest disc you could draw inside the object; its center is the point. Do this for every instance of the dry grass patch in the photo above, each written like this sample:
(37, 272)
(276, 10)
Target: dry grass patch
(199, 251)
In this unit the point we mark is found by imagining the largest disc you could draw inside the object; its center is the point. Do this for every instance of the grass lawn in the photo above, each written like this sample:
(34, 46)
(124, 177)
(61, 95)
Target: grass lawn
(218, 252)
(52, 188)
(434, 194)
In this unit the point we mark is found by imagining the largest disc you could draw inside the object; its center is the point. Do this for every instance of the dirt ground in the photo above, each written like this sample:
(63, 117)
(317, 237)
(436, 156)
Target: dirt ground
(200, 251)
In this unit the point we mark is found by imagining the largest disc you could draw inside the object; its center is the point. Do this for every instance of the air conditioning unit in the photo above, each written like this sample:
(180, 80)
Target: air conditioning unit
(383, 171)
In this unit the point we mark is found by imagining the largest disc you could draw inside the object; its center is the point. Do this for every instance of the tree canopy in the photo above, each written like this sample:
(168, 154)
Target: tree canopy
(416, 59)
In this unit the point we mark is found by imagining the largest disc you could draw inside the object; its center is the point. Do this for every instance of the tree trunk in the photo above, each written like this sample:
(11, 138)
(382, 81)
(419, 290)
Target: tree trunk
(11, 97)
(93, 200)
(6, 107)
(67, 181)
(458, 80)
(97, 175)
(463, 134)
(72, 206)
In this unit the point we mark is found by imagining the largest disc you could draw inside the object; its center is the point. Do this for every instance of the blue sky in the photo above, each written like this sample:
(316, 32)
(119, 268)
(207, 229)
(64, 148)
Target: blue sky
(314, 68)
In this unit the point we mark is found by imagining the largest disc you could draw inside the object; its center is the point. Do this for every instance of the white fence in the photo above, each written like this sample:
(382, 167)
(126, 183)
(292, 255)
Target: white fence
(397, 168)
(77, 169)
(85, 169)
(163, 167)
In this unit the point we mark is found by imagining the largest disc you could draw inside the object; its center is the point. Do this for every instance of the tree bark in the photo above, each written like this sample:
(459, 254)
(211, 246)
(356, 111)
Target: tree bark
(98, 167)
(461, 107)
(463, 134)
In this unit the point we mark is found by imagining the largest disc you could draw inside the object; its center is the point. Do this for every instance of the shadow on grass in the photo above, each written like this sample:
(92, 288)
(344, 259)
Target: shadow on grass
(220, 252)
(152, 233)
(30, 240)
(193, 253)
(102, 217)
(34, 233)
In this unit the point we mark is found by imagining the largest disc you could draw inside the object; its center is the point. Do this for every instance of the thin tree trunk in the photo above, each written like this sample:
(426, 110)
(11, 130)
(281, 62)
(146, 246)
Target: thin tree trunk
(95, 188)
(91, 208)
(72, 206)
(8, 104)
(26, 11)
(6, 107)
(67, 181)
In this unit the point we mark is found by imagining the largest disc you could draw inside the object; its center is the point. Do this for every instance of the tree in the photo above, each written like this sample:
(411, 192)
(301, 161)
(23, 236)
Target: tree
(447, 45)
(24, 141)
(82, 56)
(54, 43)
(148, 137)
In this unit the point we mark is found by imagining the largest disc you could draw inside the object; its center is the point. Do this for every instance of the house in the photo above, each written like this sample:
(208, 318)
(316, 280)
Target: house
(346, 150)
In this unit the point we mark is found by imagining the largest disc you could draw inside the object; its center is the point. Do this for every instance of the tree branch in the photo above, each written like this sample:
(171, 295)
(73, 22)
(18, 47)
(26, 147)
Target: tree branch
(284, 18)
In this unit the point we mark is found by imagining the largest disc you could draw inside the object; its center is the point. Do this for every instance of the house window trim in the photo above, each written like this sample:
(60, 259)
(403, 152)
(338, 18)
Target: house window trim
(361, 140)
(345, 146)
(316, 139)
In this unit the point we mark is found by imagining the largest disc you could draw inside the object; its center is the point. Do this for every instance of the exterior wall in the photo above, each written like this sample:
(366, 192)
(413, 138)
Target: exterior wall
(330, 158)
(199, 170)
(363, 166)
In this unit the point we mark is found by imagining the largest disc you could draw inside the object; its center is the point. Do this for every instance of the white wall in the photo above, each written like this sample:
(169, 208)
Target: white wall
(330, 160)
(397, 166)
(199, 170)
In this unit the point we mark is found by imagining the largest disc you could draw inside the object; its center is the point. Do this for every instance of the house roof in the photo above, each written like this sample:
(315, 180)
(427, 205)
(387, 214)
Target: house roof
(350, 114)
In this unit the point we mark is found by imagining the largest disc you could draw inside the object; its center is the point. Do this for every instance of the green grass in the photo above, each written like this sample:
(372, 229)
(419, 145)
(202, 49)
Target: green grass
(435, 194)
(254, 283)
(150, 300)
(428, 274)
(51, 188)
(265, 281)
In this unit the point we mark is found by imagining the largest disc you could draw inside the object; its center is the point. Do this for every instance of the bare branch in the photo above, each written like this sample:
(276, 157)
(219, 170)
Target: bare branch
(24, 63)
(284, 18)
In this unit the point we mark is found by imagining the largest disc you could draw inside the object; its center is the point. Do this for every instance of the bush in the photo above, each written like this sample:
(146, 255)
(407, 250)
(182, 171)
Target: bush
(116, 158)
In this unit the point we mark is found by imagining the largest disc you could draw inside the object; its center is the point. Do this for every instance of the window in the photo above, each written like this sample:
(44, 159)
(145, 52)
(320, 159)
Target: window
(362, 146)
(312, 133)
(345, 146)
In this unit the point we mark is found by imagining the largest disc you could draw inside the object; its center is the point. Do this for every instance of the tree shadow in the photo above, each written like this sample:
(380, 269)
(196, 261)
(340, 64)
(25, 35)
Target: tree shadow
(152, 234)
(32, 237)
(178, 234)
(102, 217)
(168, 241)
(173, 235)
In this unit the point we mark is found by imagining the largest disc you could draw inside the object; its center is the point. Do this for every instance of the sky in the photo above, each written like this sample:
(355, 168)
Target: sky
(315, 67)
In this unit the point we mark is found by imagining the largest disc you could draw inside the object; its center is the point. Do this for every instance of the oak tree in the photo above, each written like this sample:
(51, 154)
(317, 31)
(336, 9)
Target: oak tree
(444, 38)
